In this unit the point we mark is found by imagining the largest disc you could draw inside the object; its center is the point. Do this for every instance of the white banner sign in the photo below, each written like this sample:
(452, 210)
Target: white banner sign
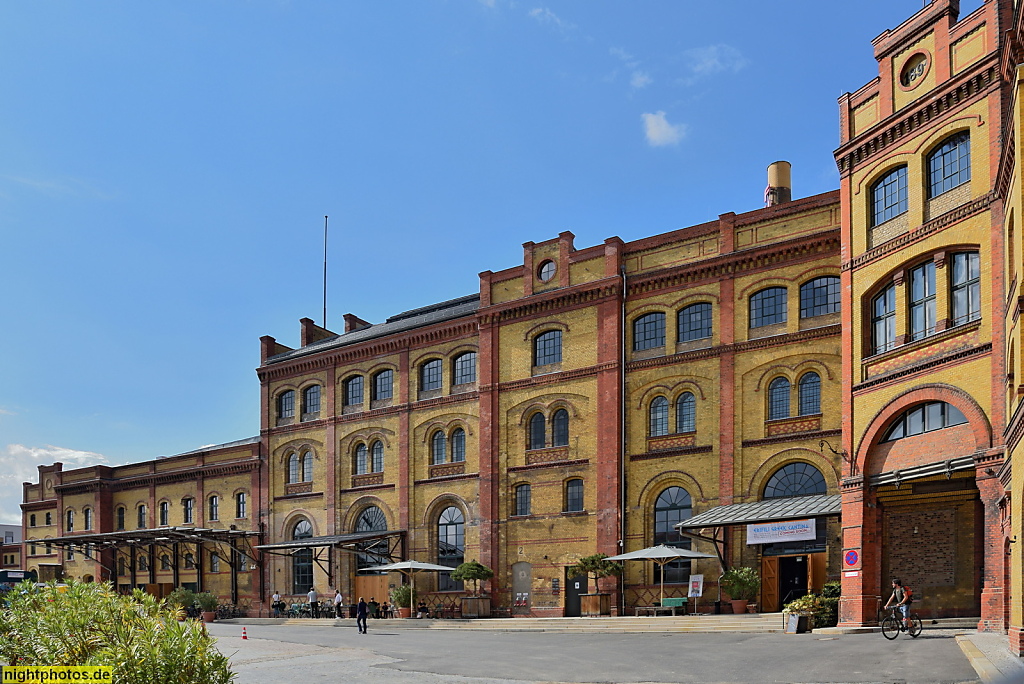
(696, 586)
(786, 531)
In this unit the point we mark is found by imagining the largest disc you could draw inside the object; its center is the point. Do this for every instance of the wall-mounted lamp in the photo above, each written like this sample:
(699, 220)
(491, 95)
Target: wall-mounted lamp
(841, 453)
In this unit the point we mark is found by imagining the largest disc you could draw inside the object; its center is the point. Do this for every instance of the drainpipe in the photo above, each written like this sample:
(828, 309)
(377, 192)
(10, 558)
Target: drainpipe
(622, 439)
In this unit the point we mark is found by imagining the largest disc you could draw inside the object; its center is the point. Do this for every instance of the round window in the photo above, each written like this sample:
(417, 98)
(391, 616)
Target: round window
(546, 271)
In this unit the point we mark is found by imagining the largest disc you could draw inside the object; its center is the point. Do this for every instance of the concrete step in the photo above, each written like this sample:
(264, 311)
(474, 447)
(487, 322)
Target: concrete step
(764, 622)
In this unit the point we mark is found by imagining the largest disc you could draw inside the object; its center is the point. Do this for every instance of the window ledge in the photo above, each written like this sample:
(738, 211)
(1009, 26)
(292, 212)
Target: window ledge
(653, 352)
(785, 426)
(769, 330)
(306, 417)
(547, 368)
(285, 421)
(428, 394)
(352, 408)
(575, 513)
(463, 387)
(380, 403)
(693, 345)
(900, 349)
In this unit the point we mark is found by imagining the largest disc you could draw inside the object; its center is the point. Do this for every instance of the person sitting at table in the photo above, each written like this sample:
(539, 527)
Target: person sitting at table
(385, 610)
(421, 610)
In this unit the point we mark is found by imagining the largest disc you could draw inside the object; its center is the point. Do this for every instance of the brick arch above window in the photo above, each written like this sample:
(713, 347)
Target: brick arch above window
(981, 428)
(445, 424)
(347, 443)
(438, 504)
(543, 328)
(792, 372)
(547, 404)
(293, 518)
(351, 516)
(770, 465)
(695, 298)
(670, 478)
(763, 284)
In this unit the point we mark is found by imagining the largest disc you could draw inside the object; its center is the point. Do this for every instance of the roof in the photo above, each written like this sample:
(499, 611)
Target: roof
(157, 535)
(407, 320)
(213, 447)
(785, 508)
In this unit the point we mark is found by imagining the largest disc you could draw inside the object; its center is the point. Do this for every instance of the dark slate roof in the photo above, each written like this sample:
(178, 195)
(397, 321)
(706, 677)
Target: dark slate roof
(407, 320)
(787, 508)
(237, 442)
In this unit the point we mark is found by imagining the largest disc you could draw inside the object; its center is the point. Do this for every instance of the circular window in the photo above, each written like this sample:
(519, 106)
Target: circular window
(914, 70)
(546, 271)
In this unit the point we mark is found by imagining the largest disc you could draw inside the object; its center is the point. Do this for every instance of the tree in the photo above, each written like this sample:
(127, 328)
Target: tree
(474, 572)
(596, 566)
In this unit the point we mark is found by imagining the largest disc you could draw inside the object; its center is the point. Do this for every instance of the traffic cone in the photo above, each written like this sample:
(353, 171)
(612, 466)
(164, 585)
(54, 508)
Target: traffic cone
(243, 634)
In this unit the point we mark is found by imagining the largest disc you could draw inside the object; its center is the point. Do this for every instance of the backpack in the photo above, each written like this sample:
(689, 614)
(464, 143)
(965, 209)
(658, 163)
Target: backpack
(908, 595)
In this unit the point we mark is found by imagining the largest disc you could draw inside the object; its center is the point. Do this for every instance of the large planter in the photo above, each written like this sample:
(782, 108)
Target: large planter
(739, 607)
(209, 615)
(405, 612)
(476, 606)
(595, 605)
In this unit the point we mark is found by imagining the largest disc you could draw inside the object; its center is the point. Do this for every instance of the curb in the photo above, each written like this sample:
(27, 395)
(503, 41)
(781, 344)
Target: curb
(987, 672)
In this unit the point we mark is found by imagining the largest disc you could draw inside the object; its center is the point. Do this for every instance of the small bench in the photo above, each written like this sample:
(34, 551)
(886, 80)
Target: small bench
(669, 606)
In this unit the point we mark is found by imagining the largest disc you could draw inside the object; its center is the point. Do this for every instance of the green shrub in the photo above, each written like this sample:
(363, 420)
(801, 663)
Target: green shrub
(90, 624)
(182, 598)
(832, 589)
(207, 602)
(824, 608)
(596, 566)
(741, 583)
(403, 596)
(473, 571)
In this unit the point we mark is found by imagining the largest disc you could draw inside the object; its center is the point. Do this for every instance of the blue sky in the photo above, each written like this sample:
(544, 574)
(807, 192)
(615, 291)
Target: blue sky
(165, 168)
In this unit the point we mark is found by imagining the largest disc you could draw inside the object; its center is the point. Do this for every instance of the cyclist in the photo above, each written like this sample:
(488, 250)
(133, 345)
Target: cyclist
(902, 596)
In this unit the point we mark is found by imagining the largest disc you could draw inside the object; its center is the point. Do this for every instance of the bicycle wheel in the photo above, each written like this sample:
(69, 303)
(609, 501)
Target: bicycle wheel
(890, 628)
(915, 626)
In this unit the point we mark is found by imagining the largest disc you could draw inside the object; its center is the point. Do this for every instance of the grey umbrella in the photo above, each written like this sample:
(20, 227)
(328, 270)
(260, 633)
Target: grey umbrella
(661, 555)
(410, 568)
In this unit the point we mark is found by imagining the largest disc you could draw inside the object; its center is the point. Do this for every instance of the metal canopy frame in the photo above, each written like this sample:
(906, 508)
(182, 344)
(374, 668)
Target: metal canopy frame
(355, 542)
(129, 542)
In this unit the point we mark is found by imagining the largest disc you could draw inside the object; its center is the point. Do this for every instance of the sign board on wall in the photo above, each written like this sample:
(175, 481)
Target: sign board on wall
(785, 531)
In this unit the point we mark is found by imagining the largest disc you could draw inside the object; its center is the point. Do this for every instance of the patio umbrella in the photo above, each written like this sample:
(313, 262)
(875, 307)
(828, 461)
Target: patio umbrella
(410, 568)
(661, 555)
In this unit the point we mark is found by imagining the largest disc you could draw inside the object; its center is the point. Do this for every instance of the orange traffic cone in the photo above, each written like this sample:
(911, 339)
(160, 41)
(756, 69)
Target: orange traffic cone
(243, 634)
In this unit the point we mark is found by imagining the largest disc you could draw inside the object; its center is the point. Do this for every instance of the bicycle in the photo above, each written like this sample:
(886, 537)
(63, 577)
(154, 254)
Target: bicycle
(893, 624)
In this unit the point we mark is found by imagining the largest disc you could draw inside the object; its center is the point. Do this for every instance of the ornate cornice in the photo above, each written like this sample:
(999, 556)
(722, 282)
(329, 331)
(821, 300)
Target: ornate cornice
(551, 378)
(727, 265)
(366, 488)
(970, 88)
(759, 343)
(555, 300)
(147, 479)
(791, 437)
(923, 366)
(925, 230)
(549, 464)
(665, 453)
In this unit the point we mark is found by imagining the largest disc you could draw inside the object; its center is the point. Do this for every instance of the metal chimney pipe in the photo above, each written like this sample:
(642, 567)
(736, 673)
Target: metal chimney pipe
(780, 185)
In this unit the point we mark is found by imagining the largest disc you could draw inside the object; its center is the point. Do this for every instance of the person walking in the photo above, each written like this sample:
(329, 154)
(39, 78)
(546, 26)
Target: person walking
(337, 603)
(314, 606)
(361, 611)
(275, 603)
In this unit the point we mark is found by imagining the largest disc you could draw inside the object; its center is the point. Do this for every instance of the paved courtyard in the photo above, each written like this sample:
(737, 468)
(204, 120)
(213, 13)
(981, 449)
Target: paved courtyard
(310, 654)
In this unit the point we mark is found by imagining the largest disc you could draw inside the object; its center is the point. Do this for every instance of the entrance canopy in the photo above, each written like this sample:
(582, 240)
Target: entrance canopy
(354, 542)
(155, 536)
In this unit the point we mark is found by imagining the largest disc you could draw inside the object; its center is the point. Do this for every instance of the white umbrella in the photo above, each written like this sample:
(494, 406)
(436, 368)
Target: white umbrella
(661, 555)
(410, 568)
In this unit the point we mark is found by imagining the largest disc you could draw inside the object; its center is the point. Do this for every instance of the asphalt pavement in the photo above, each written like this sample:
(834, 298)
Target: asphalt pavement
(308, 654)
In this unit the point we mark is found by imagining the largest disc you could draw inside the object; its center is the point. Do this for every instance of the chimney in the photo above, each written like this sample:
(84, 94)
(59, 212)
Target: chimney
(353, 323)
(780, 187)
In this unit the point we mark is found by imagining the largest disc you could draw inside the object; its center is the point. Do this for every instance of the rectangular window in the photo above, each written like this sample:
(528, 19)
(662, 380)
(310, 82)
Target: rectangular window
(922, 301)
(768, 307)
(890, 196)
(523, 500)
(966, 276)
(430, 375)
(354, 391)
(119, 518)
(548, 348)
(142, 517)
(312, 400)
(465, 369)
(574, 496)
(950, 165)
(164, 512)
(649, 332)
(695, 322)
(214, 508)
(286, 405)
(883, 320)
(382, 383)
(240, 505)
(188, 508)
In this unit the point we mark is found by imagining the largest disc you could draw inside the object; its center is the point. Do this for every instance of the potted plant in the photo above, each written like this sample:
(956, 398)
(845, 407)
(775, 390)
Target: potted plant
(402, 598)
(180, 600)
(475, 606)
(742, 584)
(596, 566)
(208, 604)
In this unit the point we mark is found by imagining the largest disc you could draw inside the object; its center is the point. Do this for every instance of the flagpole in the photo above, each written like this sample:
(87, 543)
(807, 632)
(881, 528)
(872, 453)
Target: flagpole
(325, 272)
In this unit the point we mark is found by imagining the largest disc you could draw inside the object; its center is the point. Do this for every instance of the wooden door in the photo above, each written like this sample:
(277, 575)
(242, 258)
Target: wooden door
(769, 584)
(816, 571)
(371, 586)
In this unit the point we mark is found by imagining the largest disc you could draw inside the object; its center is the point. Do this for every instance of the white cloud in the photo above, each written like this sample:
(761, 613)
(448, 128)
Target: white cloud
(626, 58)
(545, 16)
(660, 132)
(18, 464)
(640, 79)
(6, 412)
(712, 59)
(489, 3)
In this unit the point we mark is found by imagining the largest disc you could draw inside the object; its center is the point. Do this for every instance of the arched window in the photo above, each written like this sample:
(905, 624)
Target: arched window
(560, 428)
(949, 165)
(464, 368)
(69, 521)
(307, 466)
(372, 519)
(458, 445)
(190, 561)
(164, 512)
(87, 519)
(354, 391)
(537, 431)
(293, 469)
(141, 516)
(143, 564)
(778, 399)
(438, 446)
(922, 418)
(165, 562)
(574, 495)
(819, 296)
(311, 400)
(659, 417)
(382, 385)
(649, 331)
(377, 457)
(966, 283)
(694, 322)
(883, 320)
(240, 505)
(302, 559)
(451, 545)
(547, 348)
(430, 375)
(795, 479)
(686, 413)
(286, 404)
(32, 520)
(672, 506)
(49, 519)
(889, 196)
(768, 307)
(809, 389)
(361, 461)
(522, 500)
(188, 507)
(214, 507)
(214, 562)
